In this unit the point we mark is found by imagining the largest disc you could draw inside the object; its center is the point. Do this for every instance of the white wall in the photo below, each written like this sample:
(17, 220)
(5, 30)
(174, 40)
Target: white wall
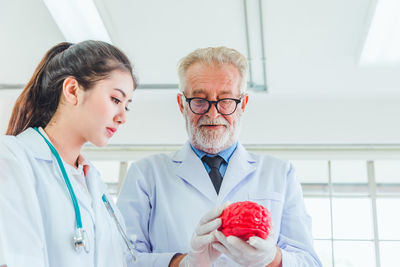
(155, 119)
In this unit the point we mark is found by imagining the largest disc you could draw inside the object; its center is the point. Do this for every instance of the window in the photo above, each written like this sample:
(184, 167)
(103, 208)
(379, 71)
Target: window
(354, 206)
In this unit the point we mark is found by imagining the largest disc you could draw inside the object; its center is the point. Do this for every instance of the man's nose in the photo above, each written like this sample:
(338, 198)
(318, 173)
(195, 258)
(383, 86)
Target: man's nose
(213, 112)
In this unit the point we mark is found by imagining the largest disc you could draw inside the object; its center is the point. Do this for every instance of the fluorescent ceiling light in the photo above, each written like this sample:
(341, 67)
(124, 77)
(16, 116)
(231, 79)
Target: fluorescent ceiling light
(78, 20)
(382, 45)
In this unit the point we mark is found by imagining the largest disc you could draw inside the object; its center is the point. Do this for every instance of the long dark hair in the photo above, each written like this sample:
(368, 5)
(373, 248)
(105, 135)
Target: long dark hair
(88, 62)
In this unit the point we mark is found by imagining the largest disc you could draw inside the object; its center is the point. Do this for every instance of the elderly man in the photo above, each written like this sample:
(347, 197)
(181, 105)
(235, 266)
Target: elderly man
(172, 202)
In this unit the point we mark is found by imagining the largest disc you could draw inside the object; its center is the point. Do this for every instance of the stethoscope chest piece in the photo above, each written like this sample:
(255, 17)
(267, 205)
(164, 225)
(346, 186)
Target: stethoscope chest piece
(81, 241)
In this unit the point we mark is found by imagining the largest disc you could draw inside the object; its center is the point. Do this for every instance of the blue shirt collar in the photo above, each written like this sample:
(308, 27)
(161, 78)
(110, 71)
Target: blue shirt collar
(225, 154)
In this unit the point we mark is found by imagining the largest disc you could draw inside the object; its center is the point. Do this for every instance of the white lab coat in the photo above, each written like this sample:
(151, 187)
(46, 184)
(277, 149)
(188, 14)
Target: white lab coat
(37, 215)
(164, 196)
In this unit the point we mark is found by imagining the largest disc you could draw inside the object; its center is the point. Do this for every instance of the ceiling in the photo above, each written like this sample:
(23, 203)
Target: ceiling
(317, 92)
(311, 46)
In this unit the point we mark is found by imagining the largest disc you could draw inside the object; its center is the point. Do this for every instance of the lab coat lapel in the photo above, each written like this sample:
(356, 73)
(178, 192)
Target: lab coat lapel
(35, 143)
(240, 165)
(106, 232)
(191, 170)
(40, 150)
(83, 198)
(97, 189)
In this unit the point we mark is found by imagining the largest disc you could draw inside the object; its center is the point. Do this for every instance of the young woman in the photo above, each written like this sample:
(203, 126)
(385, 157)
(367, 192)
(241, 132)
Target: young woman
(54, 210)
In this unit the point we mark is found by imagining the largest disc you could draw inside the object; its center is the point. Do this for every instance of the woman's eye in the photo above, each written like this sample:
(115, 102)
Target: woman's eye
(115, 100)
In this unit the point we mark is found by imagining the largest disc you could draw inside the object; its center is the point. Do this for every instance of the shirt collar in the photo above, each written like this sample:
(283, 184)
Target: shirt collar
(225, 154)
(83, 164)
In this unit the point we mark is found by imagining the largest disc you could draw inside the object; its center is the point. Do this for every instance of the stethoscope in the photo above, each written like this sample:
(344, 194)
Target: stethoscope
(80, 240)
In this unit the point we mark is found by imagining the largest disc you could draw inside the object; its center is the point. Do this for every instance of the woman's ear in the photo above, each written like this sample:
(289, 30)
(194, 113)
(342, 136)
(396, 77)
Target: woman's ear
(71, 90)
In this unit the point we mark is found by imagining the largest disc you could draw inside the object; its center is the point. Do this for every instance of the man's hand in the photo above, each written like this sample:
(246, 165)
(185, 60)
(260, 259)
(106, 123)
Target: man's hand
(202, 253)
(256, 252)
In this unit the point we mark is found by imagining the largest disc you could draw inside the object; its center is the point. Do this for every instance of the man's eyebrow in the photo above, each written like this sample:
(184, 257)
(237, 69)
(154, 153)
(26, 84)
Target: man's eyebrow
(227, 92)
(123, 93)
(198, 91)
(202, 91)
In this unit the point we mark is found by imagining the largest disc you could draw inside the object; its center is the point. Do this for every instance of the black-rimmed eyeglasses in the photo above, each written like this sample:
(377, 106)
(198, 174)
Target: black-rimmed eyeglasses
(201, 106)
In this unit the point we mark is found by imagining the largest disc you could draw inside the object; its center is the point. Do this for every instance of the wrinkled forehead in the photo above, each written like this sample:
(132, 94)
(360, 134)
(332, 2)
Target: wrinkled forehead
(217, 78)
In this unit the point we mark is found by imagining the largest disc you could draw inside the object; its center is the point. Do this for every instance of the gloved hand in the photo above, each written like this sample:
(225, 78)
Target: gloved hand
(256, 252)
(201, 251)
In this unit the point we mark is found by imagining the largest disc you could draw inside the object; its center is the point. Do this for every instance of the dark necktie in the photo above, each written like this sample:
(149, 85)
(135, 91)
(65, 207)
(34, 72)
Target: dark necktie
(214, 163)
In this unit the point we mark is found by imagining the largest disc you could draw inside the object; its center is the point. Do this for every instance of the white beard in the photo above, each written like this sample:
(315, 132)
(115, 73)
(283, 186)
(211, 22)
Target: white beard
(213, 141)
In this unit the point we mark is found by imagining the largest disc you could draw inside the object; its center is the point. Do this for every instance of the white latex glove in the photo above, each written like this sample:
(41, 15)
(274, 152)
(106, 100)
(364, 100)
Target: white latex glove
(256, 252)
(202, 253)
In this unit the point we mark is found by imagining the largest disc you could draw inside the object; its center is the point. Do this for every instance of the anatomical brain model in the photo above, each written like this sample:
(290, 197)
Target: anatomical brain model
(246, 219)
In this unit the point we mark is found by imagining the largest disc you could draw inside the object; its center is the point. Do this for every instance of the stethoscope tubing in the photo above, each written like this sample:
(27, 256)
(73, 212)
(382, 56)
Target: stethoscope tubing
(79, 238)
(66, 180)
(120, 229)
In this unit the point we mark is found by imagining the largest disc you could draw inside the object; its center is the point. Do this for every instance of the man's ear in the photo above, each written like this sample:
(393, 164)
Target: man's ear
(245, 99)
(71, 90)
(179, 99)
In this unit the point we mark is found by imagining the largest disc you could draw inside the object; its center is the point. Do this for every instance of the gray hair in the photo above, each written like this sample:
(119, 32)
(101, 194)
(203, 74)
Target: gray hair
(214, 56)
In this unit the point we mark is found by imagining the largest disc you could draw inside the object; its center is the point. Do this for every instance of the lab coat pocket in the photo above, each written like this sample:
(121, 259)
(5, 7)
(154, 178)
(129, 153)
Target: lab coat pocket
(270, 200)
